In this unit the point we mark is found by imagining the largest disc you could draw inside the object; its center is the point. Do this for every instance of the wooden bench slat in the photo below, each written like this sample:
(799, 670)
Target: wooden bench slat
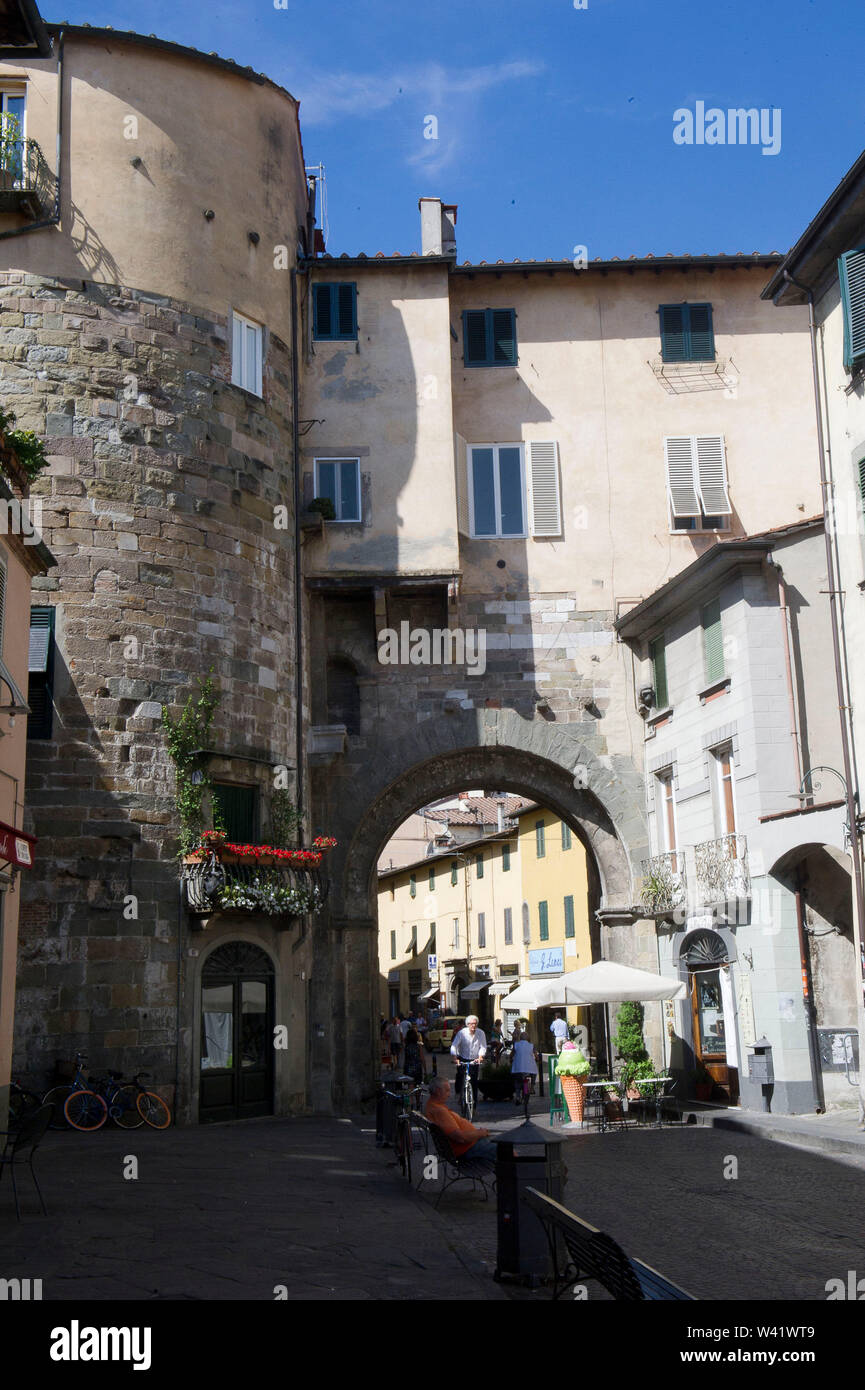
(595, 1255)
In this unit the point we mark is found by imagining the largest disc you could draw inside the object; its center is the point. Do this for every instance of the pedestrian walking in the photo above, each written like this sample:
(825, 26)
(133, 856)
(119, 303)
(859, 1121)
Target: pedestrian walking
(395, 1036)
(559, 1030)
(414, 1059)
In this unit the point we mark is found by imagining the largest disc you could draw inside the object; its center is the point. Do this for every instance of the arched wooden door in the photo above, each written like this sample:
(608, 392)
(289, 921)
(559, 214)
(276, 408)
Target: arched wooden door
(236, 1080)
(706, 956)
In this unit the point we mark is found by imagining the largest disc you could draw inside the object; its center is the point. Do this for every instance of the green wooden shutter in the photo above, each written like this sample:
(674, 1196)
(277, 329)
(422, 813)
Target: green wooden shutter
(322, 318)
(41, 667)
(570, 929)
(479, 861)
(540, 844)
(509, 926)
(851, 271)
(701, 347)
(544, 922)
(346, 317)
(713, 640)
(454, 872)
(506, 858)
(412, 886)
(432, 877)
(658, 657)
(504, 336)
(482, 931)
(566, 836)
(393, 945)
(432, 938)
(237, 808)
(474, 337)
(673, 340)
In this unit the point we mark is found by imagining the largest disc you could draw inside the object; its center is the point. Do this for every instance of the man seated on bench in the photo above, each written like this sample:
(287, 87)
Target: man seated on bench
(466, 1140)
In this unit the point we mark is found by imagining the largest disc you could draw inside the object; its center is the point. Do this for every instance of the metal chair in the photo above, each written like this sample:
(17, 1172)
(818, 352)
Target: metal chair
(22, 1143)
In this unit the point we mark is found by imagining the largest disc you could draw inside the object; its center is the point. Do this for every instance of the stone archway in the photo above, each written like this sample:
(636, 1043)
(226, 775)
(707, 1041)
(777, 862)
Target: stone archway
(364, 801)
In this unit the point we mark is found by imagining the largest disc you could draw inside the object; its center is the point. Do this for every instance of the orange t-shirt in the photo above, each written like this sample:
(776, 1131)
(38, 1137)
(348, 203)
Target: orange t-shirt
(460, 1132)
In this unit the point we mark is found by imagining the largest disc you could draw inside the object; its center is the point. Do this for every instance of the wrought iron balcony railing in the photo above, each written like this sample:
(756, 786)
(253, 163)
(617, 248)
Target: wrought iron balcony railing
(721, 869)
(26, 183)
(276, 890)
(664, 887)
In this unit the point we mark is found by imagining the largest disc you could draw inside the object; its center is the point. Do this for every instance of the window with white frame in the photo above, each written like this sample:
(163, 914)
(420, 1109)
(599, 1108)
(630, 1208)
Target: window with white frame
(665, 814)
(456, 936)
(514, 490)
(724, 789)
(13, 106)
(339, 481)
(697, 490)
(246, 353)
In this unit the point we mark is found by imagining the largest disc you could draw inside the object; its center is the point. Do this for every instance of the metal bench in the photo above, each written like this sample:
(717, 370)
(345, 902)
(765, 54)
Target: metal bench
(591, 1254)
(454, 1169)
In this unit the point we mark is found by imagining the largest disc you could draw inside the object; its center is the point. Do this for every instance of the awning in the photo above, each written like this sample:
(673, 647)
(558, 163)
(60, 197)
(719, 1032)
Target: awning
(502, 986)
(607, 982)
(472, 991)
(16, 847)
(431, 993)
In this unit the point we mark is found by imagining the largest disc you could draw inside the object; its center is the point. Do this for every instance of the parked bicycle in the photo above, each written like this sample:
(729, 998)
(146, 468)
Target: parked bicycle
(57, 1096)
(403, 1142)
(128, 1103)
(21, 1103)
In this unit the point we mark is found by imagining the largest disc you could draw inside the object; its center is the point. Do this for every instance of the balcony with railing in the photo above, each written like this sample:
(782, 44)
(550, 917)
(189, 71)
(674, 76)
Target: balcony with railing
(721, 870)
(27, 185)
(664, 886)
(280, 884)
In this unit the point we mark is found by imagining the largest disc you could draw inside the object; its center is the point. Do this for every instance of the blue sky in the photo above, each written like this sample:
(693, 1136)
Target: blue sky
(555, 125)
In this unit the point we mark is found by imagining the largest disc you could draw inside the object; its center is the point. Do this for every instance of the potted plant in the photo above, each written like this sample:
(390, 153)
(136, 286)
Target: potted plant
(573, 1068)
(630, 1046)
(703, 1083)
(495, 1082)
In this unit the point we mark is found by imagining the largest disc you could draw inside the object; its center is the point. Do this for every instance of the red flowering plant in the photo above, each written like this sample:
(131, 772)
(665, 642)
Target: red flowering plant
(324, 842)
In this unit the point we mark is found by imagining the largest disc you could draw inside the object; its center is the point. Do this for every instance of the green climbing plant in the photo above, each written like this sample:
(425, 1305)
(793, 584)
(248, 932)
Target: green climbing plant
(186, 738)
(285, 819)
(27, 446)
(628, 1040)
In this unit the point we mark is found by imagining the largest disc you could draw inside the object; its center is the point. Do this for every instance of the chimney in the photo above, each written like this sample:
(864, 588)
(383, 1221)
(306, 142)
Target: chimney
(437, 227)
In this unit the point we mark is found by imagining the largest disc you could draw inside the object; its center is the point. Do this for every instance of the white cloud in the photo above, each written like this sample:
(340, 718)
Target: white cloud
(329, 97)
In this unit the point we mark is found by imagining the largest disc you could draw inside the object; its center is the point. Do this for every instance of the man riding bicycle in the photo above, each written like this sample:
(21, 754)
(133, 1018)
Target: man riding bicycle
(468, 1049)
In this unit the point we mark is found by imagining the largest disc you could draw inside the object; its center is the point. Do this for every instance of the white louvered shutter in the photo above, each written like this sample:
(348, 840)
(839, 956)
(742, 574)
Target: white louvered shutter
(681, 475)
(236, 350)
(712, 475)
(462, 484)
(545, 502)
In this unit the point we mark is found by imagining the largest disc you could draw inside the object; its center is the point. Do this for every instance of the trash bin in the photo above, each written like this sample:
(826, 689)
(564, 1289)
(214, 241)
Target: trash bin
(527, 1156)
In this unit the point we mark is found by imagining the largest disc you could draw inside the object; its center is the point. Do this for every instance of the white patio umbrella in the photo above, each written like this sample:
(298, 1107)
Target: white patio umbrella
(607, 982)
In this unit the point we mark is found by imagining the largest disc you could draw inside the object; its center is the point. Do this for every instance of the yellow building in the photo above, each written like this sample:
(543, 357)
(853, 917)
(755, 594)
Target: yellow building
(460, 910)
(555, 910)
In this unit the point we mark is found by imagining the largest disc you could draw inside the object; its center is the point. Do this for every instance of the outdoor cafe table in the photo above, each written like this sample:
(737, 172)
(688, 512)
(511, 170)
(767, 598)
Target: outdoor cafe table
(661, 1083)
(604, 1085)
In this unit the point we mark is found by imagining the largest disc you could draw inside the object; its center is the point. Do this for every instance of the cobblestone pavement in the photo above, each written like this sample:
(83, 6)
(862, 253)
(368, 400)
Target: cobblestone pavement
(231, 1211)
(788, 1222)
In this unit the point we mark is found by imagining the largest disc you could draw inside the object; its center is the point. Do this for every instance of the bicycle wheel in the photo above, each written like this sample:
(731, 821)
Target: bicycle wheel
(403, 1147)
(469, 1101)
(85, 1110)
(57, 1098)
(153, 1110)
(124, 1108)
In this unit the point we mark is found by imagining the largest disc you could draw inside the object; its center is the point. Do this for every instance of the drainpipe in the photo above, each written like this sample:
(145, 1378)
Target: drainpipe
(843, 703)
(298, 575)
(54, 219)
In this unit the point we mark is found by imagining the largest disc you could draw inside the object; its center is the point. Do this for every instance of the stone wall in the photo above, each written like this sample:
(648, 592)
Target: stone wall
(159, 505)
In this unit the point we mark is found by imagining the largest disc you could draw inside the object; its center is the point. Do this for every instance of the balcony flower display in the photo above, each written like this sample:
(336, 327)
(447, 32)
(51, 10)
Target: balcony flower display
(572, 1067)
(222, 876)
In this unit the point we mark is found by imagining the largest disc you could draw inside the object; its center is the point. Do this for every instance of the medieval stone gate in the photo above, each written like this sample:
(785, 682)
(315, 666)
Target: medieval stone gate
(365, 796)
